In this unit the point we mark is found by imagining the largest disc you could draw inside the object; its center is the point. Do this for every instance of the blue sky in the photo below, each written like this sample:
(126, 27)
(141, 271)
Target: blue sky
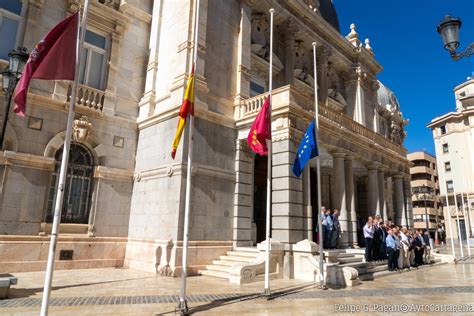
(419, 71)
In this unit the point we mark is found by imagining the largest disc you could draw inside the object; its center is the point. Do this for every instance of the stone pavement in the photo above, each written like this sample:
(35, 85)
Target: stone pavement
(128, 292)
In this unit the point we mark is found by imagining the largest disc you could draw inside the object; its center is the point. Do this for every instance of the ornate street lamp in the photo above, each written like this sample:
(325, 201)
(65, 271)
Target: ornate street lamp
(10, 78)
(425, 192)
(448, 28)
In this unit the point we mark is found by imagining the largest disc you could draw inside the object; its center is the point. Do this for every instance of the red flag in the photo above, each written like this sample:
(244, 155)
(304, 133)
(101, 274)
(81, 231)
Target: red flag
(260, 131)
(53, 58)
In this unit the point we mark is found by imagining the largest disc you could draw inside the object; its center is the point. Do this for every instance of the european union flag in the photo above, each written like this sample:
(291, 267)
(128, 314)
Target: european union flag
(306, 150)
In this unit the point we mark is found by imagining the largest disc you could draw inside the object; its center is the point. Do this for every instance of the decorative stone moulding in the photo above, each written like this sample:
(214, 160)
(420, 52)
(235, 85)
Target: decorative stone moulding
(81, 129)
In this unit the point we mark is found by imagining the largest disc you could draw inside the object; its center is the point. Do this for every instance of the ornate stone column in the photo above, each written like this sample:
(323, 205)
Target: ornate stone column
(243, 54)
(407, 201)
(288, 34)
(243, 199)
(399, 203)
(373, 198)
(340, 195)
(382, 204)
(350, 199)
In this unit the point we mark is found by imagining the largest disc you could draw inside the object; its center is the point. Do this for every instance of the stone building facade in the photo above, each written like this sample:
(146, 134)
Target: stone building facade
(424, 172)
(453, 135)
(135, 214)
(100, 177)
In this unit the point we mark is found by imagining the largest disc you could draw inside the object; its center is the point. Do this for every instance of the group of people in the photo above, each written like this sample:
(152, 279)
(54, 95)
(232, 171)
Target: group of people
(331, 228)
(402, 248)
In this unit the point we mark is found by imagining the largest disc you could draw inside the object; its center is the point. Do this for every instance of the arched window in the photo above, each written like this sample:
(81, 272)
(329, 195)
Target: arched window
(78, 189)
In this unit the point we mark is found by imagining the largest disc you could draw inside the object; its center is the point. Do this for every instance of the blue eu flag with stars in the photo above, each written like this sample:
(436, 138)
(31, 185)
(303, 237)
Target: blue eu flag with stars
(306, 150)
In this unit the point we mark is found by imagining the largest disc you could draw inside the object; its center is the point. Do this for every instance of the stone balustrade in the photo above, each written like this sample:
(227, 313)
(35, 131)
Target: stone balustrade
(286, 95)
(88, 97)
(114, 4)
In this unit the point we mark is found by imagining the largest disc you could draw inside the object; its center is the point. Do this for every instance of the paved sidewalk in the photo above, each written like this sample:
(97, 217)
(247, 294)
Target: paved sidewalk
(129, 292)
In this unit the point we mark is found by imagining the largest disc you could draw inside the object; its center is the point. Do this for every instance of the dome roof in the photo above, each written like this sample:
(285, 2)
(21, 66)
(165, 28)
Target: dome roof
(387, 98)
(328, 12)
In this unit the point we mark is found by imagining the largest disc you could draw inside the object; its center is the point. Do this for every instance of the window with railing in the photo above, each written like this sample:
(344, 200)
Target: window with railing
(94, 60)
(421, 203)
(10, 19)
(421, 176)
(78, 188)
(421, 163)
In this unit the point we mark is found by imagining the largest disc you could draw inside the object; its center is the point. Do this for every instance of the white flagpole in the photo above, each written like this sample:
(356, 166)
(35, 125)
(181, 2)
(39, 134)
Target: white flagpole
(468, 228)
(269, 165)
(322, 282)
(449, 219)
(183, 304)
(458, 224)
(64, 161)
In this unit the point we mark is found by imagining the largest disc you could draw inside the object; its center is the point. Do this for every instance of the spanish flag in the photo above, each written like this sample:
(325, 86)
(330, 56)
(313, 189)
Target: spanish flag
(186, 108)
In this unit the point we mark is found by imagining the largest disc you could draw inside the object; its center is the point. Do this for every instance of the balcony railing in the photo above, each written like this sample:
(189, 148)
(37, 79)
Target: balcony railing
(114, 4)
(284, 96)
(88, 97)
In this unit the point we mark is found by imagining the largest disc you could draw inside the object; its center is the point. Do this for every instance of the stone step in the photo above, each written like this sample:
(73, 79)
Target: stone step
(216, 274)
(242, 254)
(368, 270)
(374, 275)
(237, 258)
(345, 255)
(215, 267)
(247, 249)
(224, 263)
(345, 260)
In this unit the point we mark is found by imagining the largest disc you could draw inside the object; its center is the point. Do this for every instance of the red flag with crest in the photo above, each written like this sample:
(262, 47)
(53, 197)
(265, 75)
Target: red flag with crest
(260, 130)
(53, 58)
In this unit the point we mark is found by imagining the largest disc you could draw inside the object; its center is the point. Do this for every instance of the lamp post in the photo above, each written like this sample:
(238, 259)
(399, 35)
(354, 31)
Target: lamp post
(425, 192)
(17, 60)
(448, 28)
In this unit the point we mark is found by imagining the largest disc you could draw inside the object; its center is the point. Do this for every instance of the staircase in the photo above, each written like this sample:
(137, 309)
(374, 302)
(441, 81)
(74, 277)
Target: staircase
(367, 270)
(221, 268)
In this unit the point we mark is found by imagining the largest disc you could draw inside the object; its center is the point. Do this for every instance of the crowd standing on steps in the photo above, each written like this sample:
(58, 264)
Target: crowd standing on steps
(403, 248)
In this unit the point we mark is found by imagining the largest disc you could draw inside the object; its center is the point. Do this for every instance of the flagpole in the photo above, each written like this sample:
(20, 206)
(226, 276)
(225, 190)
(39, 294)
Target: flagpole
(458, 223)
(468, 229)
(63, 171)
(449, 220)
(269, 165)
(183, 304)
(322, 282)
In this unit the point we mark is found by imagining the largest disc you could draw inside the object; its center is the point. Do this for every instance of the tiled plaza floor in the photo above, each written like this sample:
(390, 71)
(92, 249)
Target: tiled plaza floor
(129, 292)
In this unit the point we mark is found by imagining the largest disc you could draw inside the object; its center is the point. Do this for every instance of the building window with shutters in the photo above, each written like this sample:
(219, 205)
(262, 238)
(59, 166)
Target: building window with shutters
(94, 60)
(447, 166)
(10, 20)
(450, 186)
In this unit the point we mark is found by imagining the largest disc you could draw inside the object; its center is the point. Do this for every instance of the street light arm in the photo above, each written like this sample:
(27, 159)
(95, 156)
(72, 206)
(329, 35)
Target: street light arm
(468, 52)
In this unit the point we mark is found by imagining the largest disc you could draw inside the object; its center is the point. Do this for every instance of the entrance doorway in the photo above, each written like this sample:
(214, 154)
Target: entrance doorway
(260, 195)
(314, 203)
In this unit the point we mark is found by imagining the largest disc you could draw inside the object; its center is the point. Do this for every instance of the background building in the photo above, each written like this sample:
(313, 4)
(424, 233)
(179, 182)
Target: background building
(453, 135)
(125, 203)
(424, 173)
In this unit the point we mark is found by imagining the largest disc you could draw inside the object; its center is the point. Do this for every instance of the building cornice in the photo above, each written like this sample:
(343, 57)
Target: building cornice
(450, 116)
(13, 158)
